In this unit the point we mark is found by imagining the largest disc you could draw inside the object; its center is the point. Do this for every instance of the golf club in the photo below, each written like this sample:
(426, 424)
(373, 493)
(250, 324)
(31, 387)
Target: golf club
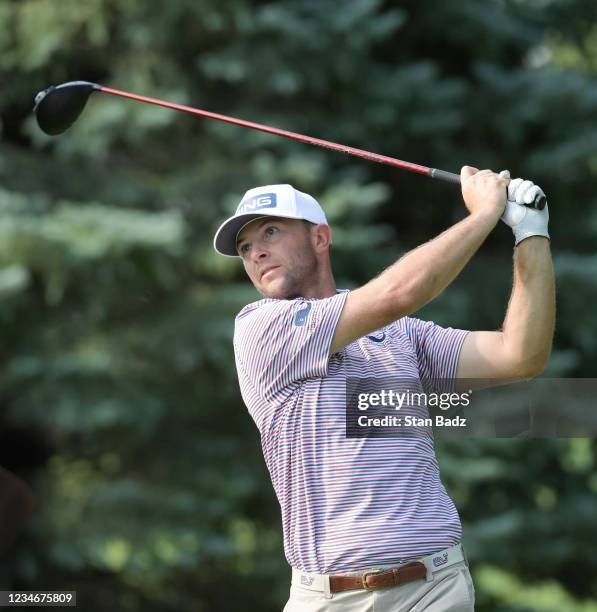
(58, 107)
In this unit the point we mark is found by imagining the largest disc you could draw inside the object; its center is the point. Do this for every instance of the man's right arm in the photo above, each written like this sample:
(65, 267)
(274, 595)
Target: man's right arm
(422, 274)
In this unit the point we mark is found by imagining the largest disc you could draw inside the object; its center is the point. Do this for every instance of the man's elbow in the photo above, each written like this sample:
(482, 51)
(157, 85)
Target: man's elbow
(531, 367)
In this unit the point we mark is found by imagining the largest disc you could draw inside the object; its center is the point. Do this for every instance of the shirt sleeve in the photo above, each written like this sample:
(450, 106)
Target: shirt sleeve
(437, 349)
(278, 343)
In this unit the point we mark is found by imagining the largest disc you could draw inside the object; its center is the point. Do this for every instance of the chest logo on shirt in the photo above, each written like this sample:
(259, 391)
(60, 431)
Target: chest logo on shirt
(300, 318)
(380, 339)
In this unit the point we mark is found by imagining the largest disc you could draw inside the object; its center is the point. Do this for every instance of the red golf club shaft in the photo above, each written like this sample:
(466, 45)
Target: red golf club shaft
(382, 159)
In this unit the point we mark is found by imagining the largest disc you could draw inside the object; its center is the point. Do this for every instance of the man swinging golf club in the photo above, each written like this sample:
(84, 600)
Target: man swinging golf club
(367, 521)
(351, 507)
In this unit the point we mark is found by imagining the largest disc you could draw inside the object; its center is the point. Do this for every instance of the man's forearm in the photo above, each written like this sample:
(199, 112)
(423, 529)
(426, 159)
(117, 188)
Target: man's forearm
(530, 318)
(425, 272)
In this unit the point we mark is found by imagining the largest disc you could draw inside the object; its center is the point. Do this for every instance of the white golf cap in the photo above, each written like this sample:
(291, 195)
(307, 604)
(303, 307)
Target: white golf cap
(267, 201)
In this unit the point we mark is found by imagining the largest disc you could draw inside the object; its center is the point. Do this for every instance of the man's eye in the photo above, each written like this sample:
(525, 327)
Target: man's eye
(244, 249)
(270, 231)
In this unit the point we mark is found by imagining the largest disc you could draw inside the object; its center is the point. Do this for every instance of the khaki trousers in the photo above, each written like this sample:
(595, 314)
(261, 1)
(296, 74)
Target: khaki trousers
(450, 589)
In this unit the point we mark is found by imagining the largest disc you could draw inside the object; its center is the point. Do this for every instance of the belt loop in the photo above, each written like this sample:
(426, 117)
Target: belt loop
(326, 586)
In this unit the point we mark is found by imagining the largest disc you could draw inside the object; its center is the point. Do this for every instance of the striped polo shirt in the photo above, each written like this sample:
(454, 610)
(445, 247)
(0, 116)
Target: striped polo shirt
(347, 503)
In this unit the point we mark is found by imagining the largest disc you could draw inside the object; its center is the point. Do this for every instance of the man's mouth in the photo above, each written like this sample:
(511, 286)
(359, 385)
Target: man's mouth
(266, 270)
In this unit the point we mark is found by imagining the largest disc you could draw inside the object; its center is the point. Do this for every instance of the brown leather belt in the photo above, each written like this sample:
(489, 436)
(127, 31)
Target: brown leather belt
(378, 578)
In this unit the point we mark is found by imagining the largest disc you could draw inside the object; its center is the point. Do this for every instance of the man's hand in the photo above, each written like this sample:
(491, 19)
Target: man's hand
(524, 221)
(483, 191)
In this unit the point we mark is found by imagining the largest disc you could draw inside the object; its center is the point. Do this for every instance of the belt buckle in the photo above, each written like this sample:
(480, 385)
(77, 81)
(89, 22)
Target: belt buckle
(366, 575)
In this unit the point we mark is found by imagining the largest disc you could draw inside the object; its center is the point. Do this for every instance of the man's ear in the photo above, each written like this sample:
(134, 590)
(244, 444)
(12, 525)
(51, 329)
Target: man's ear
(322, 237)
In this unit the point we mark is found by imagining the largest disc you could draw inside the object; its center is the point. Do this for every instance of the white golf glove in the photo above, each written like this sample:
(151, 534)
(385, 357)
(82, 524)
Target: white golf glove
(524, 221)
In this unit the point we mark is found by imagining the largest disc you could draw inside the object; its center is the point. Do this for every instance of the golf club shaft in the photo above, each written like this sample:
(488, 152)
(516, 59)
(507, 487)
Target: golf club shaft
(382, 159)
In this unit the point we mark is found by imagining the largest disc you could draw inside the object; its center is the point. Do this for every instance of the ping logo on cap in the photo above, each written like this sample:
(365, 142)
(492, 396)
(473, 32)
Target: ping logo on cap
(263, 200)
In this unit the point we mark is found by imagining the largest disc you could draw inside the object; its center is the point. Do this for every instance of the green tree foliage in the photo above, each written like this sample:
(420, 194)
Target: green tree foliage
(116, 314)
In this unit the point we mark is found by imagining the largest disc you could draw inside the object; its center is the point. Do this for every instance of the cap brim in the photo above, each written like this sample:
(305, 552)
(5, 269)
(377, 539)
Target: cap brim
(225, 238)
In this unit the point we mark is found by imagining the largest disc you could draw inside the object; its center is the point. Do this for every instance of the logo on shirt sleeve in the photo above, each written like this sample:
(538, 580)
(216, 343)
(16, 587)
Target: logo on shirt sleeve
(300, 318)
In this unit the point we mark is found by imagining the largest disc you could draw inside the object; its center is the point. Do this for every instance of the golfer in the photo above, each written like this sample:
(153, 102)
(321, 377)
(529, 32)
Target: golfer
(367, 522)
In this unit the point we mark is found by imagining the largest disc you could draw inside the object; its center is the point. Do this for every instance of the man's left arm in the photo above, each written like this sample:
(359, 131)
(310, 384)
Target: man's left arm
(521, 350)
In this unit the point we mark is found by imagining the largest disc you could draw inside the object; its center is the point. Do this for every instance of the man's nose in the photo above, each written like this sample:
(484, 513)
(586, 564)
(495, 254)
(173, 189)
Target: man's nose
(258, 252)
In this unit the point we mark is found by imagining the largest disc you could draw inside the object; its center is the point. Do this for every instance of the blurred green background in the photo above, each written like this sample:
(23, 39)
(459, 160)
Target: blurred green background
(118, 395)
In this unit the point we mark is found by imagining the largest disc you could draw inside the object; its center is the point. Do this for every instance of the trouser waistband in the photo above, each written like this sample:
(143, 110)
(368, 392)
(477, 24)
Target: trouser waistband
(434, 562)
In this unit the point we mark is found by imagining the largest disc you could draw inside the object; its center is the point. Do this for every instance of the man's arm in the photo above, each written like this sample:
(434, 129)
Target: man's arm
(425, 272)
(522, 348)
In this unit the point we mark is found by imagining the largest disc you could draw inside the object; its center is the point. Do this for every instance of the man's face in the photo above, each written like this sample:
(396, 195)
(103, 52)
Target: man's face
(278, 256)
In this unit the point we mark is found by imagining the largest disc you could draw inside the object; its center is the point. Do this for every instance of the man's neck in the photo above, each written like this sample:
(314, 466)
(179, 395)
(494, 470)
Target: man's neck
(325, 288)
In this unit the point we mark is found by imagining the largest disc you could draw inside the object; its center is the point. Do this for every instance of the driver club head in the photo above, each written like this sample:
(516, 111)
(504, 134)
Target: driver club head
(58, 107)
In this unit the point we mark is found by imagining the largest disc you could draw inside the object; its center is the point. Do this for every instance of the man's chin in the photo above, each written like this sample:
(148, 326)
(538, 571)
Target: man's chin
(276, 291)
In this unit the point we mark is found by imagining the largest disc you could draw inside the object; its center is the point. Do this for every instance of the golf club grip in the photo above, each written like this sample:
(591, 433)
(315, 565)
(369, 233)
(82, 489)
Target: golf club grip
(444, 176)
(538, 203)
